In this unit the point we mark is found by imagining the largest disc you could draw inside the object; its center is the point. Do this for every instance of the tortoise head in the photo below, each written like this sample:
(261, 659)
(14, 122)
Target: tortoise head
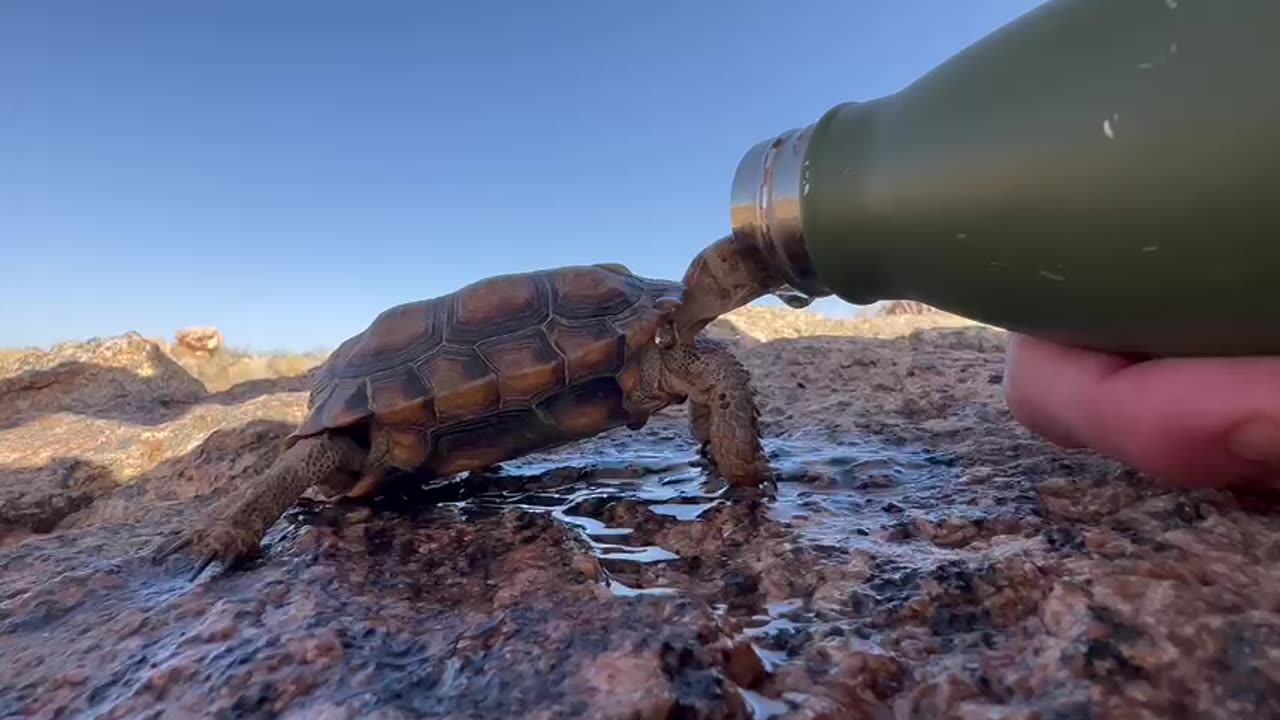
(726, 275)
(740, 268)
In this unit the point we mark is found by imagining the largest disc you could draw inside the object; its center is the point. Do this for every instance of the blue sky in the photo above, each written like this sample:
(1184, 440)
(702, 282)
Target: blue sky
(286, 170)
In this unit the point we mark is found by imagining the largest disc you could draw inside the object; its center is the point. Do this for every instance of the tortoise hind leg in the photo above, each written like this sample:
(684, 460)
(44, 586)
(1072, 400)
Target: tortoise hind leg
(723, 404)
(235, 532)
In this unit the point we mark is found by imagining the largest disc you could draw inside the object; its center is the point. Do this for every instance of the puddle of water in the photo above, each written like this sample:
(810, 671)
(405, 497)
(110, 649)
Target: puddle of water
(622, 590)
(782, 607)
(646, 554)
(831, 491)
(573, 488)
(588, 527)
(772, 626)
(684, 511)
(843, 494)
(772, 660)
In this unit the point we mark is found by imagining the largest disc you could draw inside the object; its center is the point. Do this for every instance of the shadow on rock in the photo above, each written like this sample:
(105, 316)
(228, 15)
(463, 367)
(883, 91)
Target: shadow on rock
(73, 492)
(122, 394)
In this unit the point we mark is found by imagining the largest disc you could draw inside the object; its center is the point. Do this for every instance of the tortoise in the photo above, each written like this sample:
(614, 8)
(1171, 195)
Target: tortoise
(505, 366)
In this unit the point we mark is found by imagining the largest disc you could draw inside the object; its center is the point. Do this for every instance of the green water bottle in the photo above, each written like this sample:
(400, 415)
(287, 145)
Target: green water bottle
(1103, 173)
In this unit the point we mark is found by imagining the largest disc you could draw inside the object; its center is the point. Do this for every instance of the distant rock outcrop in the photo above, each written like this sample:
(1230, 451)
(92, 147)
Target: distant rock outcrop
(203, 340)
(203, 352)
(904, 307)
(754, 324)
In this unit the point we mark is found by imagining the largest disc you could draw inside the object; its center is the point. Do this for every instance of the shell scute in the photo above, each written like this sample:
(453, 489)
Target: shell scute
(348, 404)
(480, 441)
(497, 306)
(585, 293)
(401, 397)
(410, 445)
(464, 385)
(398, 335)
(590, 348)
(586, 408)
(527, 364)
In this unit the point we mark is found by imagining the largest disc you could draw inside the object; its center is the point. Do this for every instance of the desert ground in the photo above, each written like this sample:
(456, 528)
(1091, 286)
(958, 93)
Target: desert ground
(920, 555)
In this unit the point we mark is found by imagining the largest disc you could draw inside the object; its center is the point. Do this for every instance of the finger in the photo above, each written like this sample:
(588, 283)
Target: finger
(1043, 383)
(1196, 421)
(1193, 421)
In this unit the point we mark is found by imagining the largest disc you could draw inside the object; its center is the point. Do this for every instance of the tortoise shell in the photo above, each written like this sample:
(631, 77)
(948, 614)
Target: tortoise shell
(498, 368)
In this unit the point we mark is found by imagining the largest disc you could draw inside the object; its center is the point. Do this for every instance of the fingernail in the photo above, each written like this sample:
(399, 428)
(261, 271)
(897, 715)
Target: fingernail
(1257, 440)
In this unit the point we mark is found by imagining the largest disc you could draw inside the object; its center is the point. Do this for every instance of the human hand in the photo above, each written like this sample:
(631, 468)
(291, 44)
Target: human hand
(1194, 422)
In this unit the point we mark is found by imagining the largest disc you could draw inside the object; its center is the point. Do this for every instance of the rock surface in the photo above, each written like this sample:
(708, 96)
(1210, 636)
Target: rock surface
(920, 557)
(123, 377)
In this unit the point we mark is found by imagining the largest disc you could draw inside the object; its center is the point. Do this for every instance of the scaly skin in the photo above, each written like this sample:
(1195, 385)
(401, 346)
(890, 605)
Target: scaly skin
(722, 404)
(723, 417)
(235, 532)
(700, 422)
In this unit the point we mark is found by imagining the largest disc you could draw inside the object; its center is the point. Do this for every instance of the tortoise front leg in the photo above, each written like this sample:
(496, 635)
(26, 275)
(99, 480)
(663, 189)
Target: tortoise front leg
(700, 424)
(718, 384)
(235, 533)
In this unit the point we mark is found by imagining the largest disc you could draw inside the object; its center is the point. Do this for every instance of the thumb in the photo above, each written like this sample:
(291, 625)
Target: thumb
(1191, 421)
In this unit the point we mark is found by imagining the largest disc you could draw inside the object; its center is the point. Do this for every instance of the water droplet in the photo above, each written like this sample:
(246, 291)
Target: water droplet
(793, 297)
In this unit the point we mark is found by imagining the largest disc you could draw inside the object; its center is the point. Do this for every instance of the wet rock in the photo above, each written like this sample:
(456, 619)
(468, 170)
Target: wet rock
(921, 556)
(855, 677)
(744, 665)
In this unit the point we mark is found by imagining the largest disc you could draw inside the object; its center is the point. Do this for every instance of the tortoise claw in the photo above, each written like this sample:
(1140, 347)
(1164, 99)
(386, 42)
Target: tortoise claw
(169, 547)
(204, 563)
(220, 542)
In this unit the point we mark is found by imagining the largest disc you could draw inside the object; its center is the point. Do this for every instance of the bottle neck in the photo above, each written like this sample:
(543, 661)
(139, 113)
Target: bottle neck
(765, 211)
